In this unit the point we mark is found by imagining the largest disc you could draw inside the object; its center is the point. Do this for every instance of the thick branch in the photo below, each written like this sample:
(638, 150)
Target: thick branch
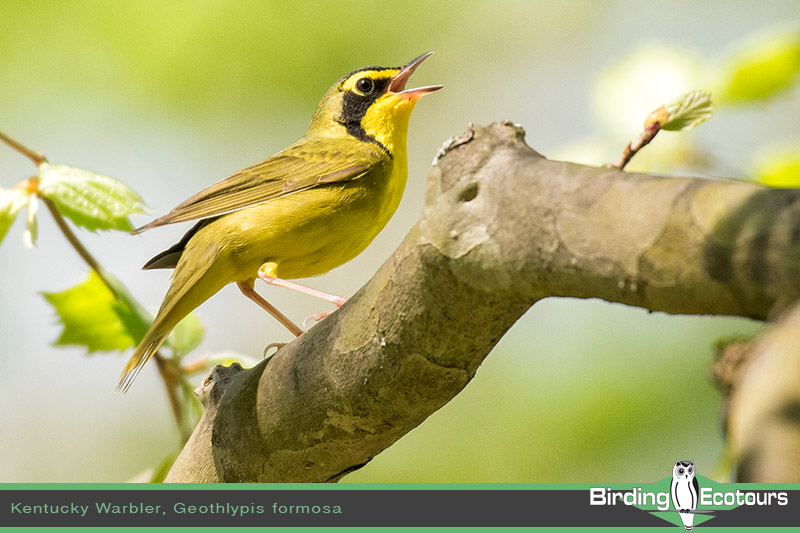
(503, 228)
(764, 411)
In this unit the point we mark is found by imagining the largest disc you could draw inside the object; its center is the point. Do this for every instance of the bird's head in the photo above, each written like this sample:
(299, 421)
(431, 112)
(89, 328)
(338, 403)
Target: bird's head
(371, 104)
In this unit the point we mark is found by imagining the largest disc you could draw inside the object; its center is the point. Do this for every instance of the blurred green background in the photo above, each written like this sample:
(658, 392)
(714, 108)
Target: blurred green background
(172, 96)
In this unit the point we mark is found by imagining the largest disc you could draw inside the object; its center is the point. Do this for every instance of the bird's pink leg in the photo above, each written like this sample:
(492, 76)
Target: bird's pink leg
(248, 290)
(267, 274)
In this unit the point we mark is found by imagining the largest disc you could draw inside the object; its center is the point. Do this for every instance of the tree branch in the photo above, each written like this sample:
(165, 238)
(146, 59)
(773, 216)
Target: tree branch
(503, 227)
(33, 155)
(764, 410)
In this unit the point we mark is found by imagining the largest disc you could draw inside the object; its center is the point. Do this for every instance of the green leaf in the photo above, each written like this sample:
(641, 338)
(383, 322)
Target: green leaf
(90, 200)
(778, 167)
(160, 472)
(186, 336)
(89, 314)
(764, 66)
(11, 201)
(133, 321)
(688, 110)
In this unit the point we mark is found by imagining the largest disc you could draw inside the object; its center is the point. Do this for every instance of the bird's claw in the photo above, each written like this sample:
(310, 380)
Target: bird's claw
(276, 345)
(315, 318)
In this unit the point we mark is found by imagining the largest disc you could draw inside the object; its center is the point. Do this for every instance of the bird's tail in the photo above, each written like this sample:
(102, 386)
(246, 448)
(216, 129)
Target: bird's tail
(193, 282)
(137, 361)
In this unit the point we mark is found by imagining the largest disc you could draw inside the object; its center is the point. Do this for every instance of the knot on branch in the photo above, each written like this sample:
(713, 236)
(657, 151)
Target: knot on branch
(469, 215)
(215, 384)
(729, 360)
(483, 141)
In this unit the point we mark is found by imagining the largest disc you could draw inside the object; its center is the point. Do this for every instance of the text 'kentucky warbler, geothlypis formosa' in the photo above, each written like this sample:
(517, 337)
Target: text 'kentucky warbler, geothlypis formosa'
(302, 212)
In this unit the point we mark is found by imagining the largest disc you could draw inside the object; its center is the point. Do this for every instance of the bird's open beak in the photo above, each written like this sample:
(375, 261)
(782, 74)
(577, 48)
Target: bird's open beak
(398, 85)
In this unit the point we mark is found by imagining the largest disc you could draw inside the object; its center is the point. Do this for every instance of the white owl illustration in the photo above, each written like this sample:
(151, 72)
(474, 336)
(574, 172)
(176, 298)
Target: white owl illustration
(685, 492)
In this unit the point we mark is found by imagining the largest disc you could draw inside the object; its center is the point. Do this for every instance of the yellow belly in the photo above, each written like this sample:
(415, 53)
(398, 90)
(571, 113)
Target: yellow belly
(309, 232)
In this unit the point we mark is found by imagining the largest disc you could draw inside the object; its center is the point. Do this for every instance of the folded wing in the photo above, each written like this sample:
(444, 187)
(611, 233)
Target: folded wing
(305, 164)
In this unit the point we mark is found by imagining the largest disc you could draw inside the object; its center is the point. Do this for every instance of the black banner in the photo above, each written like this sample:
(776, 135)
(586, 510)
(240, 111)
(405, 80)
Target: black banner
(350, 508)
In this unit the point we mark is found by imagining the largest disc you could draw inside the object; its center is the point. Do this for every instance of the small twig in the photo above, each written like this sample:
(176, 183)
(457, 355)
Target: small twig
(632, 149)
(652, 125)
(195, 367)
(165, 367)
(33, 155)
(167, 371)
(77, 245)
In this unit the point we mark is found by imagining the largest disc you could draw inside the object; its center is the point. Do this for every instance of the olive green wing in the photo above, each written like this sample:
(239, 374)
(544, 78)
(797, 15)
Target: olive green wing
(305, 164)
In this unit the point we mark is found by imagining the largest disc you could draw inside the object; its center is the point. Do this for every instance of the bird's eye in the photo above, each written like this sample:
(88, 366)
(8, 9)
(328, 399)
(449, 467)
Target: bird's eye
(365, 85)
(680, 471)
(690, 470)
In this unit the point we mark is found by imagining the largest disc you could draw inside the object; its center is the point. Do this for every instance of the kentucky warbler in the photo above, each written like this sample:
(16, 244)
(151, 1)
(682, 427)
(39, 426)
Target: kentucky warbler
(302, 212)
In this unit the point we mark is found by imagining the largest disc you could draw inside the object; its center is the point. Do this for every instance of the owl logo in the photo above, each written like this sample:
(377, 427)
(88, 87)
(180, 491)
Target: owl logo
(685, 492)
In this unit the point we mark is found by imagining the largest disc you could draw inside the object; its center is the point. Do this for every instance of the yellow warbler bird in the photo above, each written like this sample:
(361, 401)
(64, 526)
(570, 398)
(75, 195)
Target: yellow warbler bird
(302, 212)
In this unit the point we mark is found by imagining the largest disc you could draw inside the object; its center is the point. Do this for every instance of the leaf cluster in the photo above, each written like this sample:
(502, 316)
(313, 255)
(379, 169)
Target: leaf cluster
(99, 313)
